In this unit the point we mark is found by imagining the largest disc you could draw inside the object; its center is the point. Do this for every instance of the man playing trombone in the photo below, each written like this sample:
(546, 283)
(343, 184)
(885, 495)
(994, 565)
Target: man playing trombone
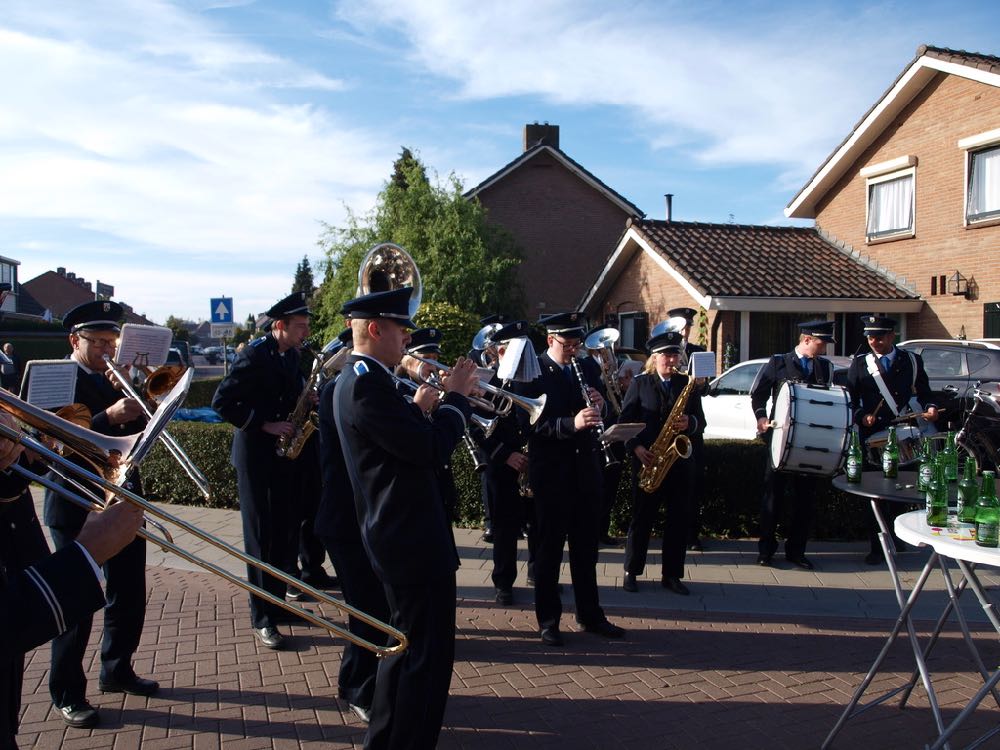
(392, 453)
(93, 335)
(256, 397)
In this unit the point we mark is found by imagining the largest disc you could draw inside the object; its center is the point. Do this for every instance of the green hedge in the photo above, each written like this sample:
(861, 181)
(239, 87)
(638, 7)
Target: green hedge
(731, 486)
(201, 392)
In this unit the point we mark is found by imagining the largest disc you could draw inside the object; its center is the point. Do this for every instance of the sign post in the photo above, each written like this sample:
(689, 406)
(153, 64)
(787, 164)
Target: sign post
(221, 317)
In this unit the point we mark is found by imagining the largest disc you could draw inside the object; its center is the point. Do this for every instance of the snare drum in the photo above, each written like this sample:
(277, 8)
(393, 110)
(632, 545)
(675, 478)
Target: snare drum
(908, 438)
(811, 428)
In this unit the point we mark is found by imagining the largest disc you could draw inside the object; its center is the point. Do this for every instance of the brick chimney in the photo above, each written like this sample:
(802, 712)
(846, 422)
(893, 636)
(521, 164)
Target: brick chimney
(535, 134)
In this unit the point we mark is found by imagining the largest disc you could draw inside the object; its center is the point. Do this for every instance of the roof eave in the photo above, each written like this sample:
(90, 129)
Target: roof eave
(892, 102)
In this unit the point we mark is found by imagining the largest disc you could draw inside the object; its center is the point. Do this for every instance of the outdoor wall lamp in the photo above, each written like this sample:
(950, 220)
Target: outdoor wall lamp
(959, 286)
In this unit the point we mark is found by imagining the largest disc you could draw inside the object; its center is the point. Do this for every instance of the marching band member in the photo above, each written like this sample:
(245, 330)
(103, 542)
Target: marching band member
(881, 385)
(93, 333)
(564, 472)
(391, 453)
(337, 526)
(650, 398)
(256, 397)
(803, 364)
(697, 441)
(506, 462)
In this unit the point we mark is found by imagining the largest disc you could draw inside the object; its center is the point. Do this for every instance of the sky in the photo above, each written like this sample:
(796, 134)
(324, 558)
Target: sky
(194, 149)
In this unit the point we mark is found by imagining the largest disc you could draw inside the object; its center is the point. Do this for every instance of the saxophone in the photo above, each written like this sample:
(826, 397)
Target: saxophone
(670, 445)
(303, 416)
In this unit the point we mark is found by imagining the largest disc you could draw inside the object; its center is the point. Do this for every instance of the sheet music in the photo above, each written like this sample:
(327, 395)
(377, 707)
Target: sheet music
(149, 343)
(622, 431)
(49, 383)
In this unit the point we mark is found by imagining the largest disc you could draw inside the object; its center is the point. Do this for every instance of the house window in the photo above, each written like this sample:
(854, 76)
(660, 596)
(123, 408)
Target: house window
(890, 206)
(983, 200)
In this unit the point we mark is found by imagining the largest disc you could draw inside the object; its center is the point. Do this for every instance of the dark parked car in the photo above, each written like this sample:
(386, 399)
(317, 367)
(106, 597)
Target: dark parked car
(952, 363)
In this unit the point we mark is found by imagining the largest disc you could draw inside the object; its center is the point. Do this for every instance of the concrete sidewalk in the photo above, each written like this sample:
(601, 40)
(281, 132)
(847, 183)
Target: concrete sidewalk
(755, 658)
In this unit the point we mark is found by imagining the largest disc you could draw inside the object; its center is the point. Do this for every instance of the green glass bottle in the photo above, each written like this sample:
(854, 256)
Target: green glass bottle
(926, 465)
(855, 460)
(951, 452)
(936, 497)
(987, 512)
(968, 493)
(890, 456)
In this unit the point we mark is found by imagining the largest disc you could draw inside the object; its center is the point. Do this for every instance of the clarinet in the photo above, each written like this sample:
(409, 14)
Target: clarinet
(609, 457)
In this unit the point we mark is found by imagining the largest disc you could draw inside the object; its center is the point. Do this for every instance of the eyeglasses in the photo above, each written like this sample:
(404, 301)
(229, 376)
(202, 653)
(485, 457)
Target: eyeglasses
(568, 344)
(102, 343)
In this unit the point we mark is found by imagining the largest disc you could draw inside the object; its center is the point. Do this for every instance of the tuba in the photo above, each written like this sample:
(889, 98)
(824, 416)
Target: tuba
(601, 345)
(387, 267)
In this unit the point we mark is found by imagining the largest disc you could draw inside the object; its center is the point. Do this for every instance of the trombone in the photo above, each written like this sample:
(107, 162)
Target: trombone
(119, 374)
(534, 406)
(106, 455)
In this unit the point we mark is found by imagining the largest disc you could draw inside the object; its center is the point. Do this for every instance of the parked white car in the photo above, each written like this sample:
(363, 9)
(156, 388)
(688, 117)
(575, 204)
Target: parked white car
(728, 415)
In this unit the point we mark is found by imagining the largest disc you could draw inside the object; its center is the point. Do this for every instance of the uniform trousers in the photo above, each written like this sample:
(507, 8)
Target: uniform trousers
(311, 549)
(267, 490)
(508, 519)
(411, 689)
(567, 506)
(22, 544)
(361, 589)
(673, 494)
(776, 486)
(124, 617)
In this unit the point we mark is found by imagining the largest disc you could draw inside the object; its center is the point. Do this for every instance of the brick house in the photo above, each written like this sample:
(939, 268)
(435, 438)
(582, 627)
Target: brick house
(915, 187)
(61, 290)
(562, 216)
(754, 282)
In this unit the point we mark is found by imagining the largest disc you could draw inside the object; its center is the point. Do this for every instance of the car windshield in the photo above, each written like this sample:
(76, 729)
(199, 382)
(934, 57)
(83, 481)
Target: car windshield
(738, 380)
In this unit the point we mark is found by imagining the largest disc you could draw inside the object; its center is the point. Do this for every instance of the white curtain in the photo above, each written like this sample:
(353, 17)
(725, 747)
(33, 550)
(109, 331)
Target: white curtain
(984, 185)
(890, 206)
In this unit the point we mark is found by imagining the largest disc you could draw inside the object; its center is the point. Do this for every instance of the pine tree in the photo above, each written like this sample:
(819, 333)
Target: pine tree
(303, 278)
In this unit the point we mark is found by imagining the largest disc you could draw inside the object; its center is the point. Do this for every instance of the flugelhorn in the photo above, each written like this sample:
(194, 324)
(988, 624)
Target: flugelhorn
(533, 406)
(112, 456)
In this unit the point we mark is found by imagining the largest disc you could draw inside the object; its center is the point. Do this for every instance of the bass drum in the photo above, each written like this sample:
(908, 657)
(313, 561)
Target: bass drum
(811, 430)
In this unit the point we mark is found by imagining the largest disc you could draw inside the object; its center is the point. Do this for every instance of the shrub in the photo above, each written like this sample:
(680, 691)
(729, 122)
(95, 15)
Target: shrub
(731, 486)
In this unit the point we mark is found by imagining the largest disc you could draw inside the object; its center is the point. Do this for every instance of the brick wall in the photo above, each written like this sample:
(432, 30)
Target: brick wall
(946, 110)
(567, 230)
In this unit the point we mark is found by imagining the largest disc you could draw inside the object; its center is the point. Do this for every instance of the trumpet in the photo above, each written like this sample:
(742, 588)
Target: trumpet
(118, 375)
(486, 425)
(111, 458)
(533, 406)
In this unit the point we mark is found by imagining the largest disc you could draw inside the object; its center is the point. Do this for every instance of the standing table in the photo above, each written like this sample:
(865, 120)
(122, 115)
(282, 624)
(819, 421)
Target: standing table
(912, 528)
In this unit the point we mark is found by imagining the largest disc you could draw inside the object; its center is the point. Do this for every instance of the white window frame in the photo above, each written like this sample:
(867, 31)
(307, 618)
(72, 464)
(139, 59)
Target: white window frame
(875, 178)
(977, 144)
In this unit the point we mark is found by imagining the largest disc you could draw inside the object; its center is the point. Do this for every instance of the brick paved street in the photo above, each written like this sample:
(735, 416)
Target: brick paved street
(698, 677)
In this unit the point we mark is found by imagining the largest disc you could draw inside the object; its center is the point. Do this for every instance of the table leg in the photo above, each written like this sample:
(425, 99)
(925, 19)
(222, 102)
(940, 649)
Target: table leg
(902, 620)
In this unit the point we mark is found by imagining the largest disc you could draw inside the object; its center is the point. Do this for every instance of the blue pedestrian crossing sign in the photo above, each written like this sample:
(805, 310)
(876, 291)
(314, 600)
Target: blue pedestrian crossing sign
(222, 310)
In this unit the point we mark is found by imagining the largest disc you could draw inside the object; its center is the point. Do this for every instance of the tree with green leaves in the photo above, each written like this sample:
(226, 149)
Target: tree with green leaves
(303, 278)
(179, 327)
(463, 260)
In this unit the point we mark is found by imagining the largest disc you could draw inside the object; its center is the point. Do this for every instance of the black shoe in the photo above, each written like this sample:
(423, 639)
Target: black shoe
(764, 560)
(629, 584)
(365, 714)
(79, 715)
(606, 629)
(488, 536)
(505, 597)
(800, 562)
(552, 637)
(320, 580)
(133, 686)
(675, 585)
(610, 541)
(875, 557)
(270, 637)
(696, 546)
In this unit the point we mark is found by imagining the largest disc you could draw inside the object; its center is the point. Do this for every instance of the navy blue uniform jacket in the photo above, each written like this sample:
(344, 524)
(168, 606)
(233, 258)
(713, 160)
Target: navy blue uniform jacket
(392, 454)
(865, 394)
(780, 368)
(647, 401)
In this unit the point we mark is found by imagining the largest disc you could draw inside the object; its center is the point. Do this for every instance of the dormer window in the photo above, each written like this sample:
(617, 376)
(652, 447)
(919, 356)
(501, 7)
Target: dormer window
(891, 200)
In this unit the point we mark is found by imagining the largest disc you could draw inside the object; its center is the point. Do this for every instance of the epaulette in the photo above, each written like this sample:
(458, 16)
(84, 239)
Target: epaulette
(360, 368)
(259, 341)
